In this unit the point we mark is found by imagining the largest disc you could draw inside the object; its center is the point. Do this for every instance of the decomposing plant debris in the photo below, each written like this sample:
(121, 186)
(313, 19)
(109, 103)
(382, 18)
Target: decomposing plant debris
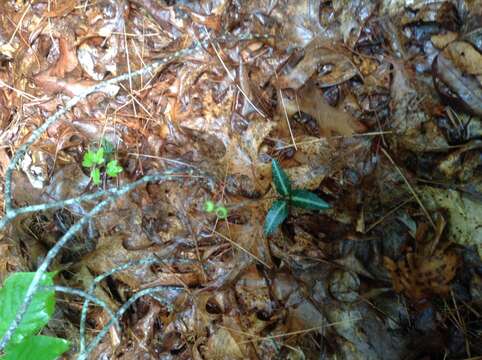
(241, 179)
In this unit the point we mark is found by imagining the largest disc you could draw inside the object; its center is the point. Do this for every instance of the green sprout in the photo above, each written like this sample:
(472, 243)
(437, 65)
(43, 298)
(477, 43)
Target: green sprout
(288, 197)
(220, 211)
(113, 168)
(96, 159)
(209, 206)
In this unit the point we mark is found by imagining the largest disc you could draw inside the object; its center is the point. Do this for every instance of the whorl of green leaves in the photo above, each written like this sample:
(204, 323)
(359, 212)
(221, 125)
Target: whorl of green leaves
(288, 197)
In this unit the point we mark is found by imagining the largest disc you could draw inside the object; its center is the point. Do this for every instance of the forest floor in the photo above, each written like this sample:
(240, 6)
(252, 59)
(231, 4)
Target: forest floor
(172, 124)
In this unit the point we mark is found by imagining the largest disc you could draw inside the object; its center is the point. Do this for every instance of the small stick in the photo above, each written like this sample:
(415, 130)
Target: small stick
(412, 190)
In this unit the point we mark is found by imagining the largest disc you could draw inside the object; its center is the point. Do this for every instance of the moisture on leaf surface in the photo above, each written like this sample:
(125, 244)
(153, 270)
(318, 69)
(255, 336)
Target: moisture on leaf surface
(367, 106)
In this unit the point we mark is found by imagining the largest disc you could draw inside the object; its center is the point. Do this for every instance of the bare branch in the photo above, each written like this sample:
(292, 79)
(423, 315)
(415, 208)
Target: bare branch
(120, 312)
(70, 234)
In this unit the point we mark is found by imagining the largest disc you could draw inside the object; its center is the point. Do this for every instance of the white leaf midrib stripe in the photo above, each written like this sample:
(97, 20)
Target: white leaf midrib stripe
(279, 176)
(283, 205)
(305, 200)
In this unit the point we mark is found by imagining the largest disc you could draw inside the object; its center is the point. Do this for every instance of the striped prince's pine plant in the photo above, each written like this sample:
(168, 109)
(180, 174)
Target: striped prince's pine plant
(288, 197)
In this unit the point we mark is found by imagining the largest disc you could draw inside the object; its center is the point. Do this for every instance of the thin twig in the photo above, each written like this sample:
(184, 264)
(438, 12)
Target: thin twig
(292, 333)
(92, 287)
(52, 205)
(70, 234)
(233, 79)
(68, 106)
(240, 247)
(87, 296)
(379, 221)
(17, 27)
(314, 141)
(101, 277)
(412, 190)
(287, 120)
(118, 314)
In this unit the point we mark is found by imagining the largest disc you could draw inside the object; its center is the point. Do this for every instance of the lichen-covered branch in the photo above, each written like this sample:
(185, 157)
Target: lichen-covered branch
(87, 296)
(98, 279)
(84, 355)
(69, 235)
(10, 213)
(20, 153)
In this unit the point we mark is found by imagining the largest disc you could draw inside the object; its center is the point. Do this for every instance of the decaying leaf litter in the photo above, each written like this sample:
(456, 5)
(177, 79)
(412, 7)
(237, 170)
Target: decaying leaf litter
(375, 106)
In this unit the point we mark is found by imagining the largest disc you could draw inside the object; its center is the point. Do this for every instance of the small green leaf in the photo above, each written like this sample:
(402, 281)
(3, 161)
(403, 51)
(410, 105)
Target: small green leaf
(36, 348)
(99, 156)
(281, 180)
(221, 212)
(39, 312)
(308, 200)
(88, 160)
(209, 206)
(93, 158)
(276, 215)
(113, 168)
(95, 175)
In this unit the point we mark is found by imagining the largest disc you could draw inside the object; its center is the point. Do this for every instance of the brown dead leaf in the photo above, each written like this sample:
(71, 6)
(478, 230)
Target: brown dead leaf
(465, 57)
(318, 53)
(10, 259)
(67, 60)
(452, 73)
(420, 277)
(62, 8)
(221, 345)
(176, 279)
(111, 253)
(331, 120)
(71, 87)
(442, 40)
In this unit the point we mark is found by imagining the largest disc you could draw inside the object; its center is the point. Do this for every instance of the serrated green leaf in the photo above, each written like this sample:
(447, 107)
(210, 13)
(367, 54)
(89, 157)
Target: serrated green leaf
(308, 200)
(88, 160)
(38, 313)
(113, 168)
(276, 215)
(95, 175)
(92, 158)
(281, 180)
(36, 348)
(99, 156)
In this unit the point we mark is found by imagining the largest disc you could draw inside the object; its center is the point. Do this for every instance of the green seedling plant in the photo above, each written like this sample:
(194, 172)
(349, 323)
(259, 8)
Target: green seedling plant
(220, 210)
(95, 160)
(25, 343)
(288, 198)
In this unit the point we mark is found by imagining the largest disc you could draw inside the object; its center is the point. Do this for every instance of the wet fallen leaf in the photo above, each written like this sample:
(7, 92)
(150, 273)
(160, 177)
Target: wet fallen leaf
(317, 55)
(67, 60)
(464, 225)
(331, 120)
(420, 277)
(461, 89)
